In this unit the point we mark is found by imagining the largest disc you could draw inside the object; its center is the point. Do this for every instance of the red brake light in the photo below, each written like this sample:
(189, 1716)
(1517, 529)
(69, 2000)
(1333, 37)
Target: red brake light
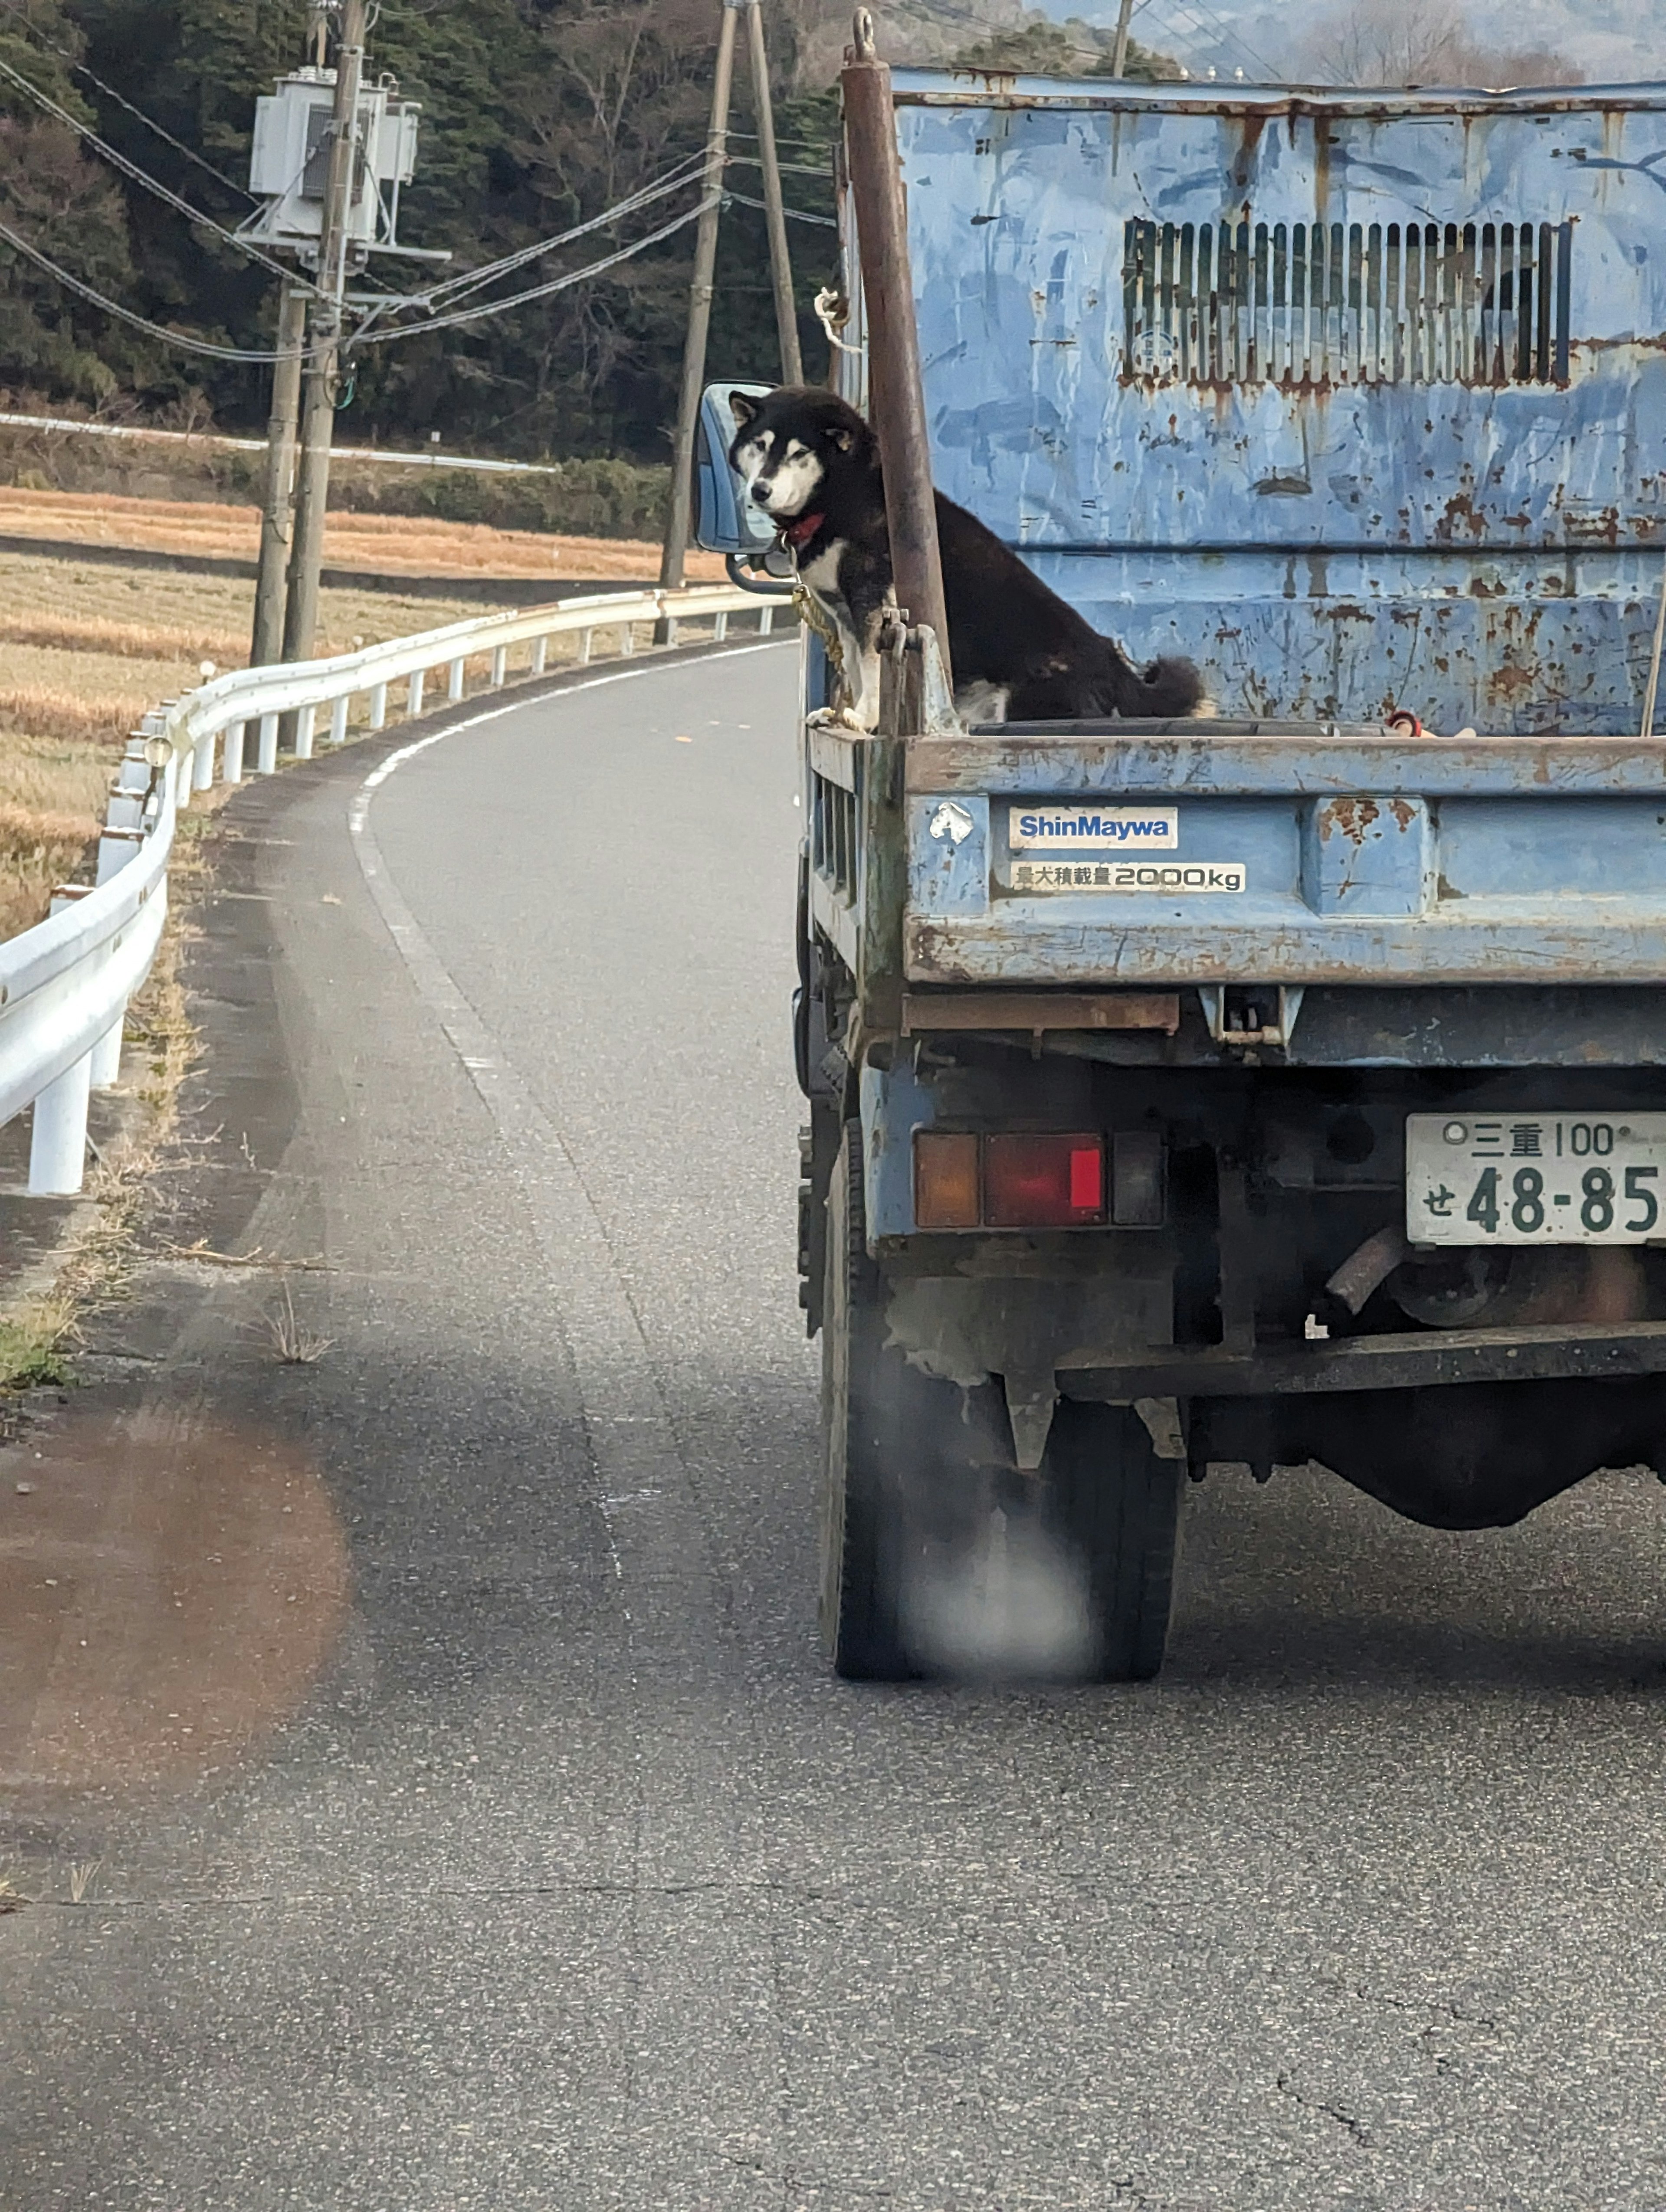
(1043, 1181)
(1087, 1180)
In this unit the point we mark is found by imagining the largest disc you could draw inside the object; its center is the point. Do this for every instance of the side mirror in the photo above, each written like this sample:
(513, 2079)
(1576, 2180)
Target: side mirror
(727, 521)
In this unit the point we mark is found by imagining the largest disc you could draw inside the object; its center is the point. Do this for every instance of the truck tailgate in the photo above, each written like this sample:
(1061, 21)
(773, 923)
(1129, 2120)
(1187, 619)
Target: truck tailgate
(1098, 853)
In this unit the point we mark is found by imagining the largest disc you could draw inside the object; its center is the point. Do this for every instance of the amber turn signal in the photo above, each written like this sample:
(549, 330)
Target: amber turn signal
(945, 1179)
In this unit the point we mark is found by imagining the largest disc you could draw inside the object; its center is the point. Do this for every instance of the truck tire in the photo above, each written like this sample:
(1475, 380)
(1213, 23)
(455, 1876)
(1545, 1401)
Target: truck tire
(867, 1398)
(1117, 1504)
(908, 1478)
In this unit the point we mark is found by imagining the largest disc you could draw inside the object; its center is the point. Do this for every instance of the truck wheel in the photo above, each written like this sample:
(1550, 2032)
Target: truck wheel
(913, 1474)
(1112, 1501)
(866, 1401)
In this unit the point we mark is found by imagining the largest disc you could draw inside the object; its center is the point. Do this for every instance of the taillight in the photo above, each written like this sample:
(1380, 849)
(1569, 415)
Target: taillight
(946, 1193)
(1043, 1181)
(1038, 1181)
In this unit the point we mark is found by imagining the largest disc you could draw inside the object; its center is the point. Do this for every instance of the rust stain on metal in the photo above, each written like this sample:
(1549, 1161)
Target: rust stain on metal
(1352, 817)
(1459, 510)
(1403, 812)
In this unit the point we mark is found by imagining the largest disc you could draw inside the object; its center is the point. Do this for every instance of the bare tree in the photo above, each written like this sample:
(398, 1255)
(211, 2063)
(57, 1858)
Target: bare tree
(1406, 42)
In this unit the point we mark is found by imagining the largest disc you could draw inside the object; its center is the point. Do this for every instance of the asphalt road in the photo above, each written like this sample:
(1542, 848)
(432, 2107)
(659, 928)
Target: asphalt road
(428, 1785)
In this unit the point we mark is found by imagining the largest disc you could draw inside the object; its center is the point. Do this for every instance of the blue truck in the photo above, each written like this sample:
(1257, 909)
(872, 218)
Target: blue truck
(1287, 1084)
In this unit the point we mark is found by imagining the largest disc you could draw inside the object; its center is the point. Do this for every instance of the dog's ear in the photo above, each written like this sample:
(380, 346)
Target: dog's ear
(843, 439)
(743, 405)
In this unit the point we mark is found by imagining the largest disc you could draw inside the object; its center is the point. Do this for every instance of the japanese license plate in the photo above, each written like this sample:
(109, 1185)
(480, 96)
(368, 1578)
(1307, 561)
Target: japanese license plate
(1535, 1178)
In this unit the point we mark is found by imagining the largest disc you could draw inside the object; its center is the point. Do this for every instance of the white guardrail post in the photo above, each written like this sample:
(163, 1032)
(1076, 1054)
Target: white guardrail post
(65, 984)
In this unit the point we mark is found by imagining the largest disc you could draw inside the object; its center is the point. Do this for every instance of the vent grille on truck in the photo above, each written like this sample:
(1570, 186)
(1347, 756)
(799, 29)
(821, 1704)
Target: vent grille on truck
(1347, 303)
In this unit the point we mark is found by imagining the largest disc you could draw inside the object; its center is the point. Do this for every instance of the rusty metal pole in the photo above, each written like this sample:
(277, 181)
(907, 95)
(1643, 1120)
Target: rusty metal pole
(780, 258)
(897, 398)
(700, 312)
(1119, 58)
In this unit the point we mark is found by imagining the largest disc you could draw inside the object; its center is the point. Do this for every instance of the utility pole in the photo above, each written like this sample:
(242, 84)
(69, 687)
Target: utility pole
(781, 260)
(700, 308)
(323, 369)
(1119, 58)
(277, 501)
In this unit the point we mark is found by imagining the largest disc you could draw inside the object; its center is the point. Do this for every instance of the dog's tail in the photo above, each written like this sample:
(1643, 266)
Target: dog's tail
(1165, 691)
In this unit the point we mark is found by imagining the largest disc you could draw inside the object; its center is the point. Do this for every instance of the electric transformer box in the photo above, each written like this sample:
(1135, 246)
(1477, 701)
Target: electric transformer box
(290, 158)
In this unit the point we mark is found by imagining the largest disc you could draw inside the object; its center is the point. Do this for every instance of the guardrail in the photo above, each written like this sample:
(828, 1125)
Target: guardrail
(65, 984)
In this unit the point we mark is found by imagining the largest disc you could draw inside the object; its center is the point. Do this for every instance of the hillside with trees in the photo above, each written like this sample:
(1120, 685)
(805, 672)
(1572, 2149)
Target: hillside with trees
(537, 115)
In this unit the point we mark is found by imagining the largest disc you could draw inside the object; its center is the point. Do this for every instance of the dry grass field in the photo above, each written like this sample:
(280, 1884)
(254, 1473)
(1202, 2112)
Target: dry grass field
(84, 650)
(386, 544)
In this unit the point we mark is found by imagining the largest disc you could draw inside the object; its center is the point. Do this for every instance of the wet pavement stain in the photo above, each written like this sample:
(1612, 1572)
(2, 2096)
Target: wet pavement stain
(171, 1585)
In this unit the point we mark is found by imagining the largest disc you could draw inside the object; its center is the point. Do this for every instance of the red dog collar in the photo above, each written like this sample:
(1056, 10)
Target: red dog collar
(798, 532)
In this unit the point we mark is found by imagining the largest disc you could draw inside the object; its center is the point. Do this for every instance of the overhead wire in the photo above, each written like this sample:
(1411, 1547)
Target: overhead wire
(178, 144)
(465, 315)
(1209, 24)
(98, 299)
(792, 214)
(684, 172)
(787, 168)
(14, 8)
(131, 169)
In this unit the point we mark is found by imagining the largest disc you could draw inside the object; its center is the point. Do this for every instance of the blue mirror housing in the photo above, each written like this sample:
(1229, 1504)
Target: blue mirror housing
(727, 521)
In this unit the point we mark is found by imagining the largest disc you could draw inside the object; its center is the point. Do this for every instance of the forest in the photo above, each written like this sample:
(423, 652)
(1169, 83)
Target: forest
(537, 115)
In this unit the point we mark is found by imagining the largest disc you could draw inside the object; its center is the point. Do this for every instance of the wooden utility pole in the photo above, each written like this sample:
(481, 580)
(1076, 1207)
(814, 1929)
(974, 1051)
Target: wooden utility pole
(278, 500)
(781, 260)
(895, 393)
(700, 308)
(1119, 58)
(323, 368)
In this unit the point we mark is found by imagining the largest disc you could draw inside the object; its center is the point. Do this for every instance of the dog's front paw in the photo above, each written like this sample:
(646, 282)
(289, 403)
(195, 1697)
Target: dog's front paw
(834, 718)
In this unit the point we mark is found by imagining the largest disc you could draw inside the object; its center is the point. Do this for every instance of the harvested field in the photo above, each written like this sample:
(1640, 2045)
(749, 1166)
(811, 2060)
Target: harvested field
(388, 544)
(84, 652)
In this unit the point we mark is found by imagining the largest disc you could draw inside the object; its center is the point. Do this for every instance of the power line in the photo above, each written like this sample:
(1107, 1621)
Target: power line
(1209, 23)
(14, 8)
(683, 174)
(126, 314)
(787, 168)
(367, 336)
(792, 214)
(139, 176)
(178, 144)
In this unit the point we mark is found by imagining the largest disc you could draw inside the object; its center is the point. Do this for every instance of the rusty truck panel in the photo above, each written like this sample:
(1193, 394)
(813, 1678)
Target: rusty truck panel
(1359, 400)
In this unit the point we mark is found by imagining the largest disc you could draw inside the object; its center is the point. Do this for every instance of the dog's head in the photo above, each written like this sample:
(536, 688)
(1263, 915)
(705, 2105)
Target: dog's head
(791, 445)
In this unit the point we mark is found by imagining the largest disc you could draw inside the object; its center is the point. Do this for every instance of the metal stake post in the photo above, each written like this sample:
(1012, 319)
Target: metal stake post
(1119, 57)
(897, 398)
(277, 502)
(780, 258)
(700, 308)
(318, 422)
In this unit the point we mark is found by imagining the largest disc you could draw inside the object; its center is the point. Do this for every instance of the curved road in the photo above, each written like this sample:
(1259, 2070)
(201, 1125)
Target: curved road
(574, 1881)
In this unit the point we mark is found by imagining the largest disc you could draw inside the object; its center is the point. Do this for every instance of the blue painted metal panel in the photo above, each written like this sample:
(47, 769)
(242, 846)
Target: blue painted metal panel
(895, 1103)
(949, 855)
(1359, 401)
(1365, 860)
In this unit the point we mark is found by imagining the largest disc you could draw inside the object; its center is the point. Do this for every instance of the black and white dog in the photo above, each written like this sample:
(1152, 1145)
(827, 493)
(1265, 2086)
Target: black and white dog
(1019, 652)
